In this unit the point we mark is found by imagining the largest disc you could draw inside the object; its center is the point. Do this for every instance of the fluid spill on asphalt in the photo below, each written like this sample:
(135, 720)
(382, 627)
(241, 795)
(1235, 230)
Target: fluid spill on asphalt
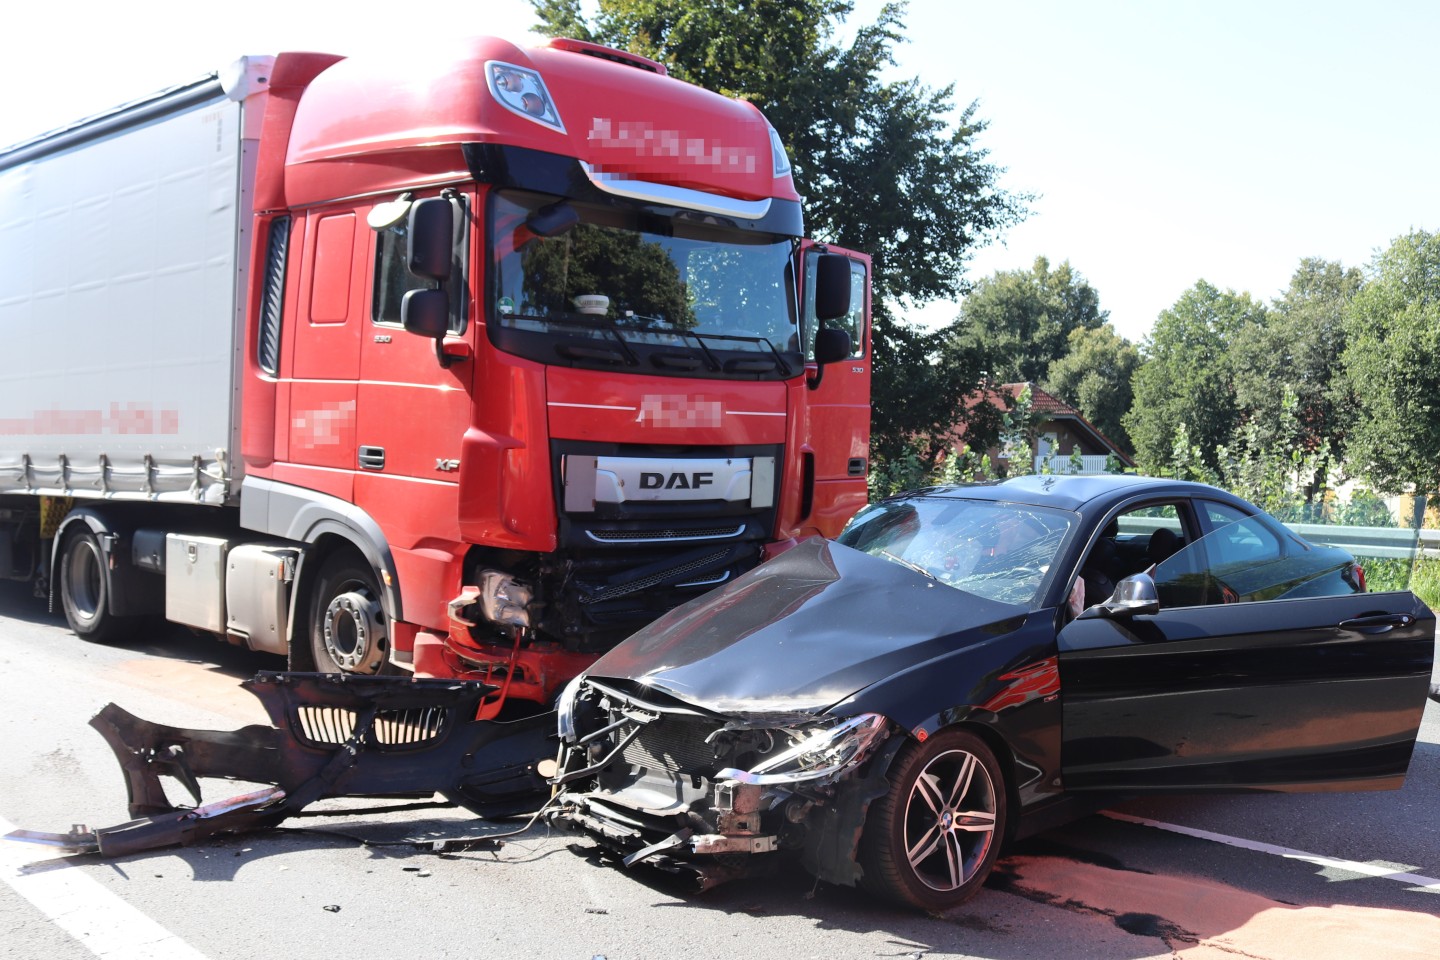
(1198, 918)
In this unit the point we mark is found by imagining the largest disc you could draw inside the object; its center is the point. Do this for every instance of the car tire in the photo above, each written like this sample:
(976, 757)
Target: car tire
(932, 840)
(85, 591)
(349, 632)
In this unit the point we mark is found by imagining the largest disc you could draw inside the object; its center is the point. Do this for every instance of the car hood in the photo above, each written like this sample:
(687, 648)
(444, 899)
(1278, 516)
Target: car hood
(803, 632)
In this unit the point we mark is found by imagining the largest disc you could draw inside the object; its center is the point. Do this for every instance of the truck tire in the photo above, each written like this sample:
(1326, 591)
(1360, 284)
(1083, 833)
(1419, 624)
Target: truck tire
(85, 591)
(349, 632)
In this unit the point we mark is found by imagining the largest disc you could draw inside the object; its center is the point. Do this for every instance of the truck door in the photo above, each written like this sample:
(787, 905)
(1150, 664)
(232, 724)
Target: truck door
(413, 411)
(839, 408)
(319, 419)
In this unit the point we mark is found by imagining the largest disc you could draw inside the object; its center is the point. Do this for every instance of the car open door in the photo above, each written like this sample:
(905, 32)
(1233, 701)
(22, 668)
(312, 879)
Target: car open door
(1297, 693)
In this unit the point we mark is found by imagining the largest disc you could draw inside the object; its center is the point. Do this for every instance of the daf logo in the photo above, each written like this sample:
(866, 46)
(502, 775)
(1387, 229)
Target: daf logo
(447, 465)
(679, 480)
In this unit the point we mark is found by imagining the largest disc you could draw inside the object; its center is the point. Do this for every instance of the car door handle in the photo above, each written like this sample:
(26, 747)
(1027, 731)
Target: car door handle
(1378, 623)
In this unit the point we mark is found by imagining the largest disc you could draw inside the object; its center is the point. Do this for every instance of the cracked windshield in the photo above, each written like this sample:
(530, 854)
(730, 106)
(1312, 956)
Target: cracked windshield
(583, 270)
(999, 551)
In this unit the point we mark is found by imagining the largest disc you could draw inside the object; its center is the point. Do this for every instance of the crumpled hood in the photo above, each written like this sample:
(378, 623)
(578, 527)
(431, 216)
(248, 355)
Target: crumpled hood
(802, 632)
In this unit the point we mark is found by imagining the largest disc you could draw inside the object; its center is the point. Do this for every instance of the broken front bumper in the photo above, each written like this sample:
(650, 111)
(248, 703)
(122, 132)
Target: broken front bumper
(331, 736)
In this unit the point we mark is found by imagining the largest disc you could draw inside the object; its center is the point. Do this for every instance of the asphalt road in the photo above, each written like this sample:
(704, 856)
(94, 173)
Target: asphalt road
(1315, 876)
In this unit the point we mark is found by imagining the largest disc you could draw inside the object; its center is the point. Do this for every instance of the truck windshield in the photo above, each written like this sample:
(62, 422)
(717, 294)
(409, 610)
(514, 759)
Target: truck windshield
(640, 281)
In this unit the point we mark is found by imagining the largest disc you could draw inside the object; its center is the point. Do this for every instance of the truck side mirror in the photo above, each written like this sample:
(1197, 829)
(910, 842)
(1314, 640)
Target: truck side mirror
(426, 313)
(832, 287)
(432, 239)
(831, 345)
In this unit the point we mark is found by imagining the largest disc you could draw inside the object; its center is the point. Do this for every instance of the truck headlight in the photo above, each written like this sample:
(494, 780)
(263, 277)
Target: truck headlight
(822, 754)
(778, 158)
(521, 90)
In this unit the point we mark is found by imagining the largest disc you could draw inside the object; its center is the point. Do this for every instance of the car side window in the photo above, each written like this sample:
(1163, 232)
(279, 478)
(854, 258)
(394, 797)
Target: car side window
(1241, 542)
(1148, 535)
(1253, 559)
(1219, 514)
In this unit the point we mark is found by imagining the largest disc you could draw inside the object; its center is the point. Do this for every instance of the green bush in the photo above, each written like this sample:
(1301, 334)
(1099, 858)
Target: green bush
(1421, 576)
(1383, 574)
(1425, 581)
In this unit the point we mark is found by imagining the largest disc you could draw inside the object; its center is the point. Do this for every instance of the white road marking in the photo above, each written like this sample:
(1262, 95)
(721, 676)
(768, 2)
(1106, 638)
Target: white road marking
(101, 922)
(1350, 866)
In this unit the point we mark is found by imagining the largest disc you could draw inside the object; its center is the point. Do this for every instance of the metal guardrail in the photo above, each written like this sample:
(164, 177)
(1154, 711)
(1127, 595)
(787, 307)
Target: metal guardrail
(1397, 543)
(1386, 542)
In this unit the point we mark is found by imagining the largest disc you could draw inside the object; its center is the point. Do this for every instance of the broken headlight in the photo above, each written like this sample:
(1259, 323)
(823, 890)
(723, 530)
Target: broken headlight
(823, 753)
(565, 710)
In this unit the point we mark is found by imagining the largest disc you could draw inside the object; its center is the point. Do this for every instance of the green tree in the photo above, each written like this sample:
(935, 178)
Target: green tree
(1392, 363)
(1185, 382)
(1022, 319)
(888, 167)
(1289, 383)
(1094, 377)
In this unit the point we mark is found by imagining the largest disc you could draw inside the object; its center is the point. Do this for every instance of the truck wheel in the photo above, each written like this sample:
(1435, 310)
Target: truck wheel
(85, 591)
(348, 629)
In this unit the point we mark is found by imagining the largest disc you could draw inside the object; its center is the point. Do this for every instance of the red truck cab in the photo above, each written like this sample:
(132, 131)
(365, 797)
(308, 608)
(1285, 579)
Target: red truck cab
(532, 355)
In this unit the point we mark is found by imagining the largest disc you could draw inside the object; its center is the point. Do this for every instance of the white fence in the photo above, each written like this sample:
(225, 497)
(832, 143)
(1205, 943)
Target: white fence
(1056, 463)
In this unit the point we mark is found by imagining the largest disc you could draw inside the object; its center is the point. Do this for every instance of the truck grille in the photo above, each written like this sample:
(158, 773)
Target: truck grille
(645, 583)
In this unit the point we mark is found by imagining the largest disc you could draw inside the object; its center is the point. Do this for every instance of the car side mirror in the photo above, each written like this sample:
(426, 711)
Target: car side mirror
(1134, 596)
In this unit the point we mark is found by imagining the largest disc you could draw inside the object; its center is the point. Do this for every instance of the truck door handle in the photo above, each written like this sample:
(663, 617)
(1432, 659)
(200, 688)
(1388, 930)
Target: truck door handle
(1378, 623)
(372, 458)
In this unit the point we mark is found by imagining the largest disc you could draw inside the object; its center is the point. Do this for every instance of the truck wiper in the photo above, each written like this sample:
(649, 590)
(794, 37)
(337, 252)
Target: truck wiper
(779, 358)
(584, 322)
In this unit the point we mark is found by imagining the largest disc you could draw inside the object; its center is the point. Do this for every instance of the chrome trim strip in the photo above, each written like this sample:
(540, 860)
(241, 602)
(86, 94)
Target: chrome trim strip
(676, 196)
(714, 536)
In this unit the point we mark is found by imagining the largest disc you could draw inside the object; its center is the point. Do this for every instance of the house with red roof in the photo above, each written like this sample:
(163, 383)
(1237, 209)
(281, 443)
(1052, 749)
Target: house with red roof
(1056, 432)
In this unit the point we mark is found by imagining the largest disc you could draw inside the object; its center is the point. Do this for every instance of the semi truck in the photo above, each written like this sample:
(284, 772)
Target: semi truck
(461, 362)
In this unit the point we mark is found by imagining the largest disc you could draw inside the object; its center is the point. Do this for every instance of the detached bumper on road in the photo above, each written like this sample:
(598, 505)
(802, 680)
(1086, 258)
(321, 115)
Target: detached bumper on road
(331, 736)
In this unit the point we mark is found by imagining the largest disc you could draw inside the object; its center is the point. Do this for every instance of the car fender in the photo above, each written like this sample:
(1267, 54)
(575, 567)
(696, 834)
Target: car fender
(832, 842)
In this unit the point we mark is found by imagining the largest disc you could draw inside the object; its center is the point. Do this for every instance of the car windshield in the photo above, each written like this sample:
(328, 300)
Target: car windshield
(608, 273)
(1000, 551)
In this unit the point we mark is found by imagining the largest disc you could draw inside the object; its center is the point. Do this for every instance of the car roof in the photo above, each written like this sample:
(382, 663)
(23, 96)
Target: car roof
(1072, 492)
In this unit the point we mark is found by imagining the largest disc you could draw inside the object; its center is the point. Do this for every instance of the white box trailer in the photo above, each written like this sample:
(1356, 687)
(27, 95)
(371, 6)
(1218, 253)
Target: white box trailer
(124, 247)
(124, 242)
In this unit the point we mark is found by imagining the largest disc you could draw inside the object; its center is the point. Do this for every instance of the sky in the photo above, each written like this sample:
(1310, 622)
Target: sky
(1165, 142)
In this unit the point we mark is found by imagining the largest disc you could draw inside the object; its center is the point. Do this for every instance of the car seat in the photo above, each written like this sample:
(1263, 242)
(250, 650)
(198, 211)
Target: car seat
(1163, 544)
(1098, 572)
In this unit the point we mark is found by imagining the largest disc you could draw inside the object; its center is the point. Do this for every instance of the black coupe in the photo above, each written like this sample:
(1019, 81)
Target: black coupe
(969, 664)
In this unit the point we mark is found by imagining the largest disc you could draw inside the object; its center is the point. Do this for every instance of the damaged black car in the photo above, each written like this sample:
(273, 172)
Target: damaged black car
(969, 665)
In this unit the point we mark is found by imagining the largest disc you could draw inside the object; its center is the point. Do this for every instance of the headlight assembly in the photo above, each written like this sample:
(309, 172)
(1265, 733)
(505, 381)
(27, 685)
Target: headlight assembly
(822, 754)
(565, 710)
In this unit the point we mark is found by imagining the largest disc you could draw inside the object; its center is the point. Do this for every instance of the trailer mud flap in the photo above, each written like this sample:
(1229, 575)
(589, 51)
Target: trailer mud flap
(331, 736)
